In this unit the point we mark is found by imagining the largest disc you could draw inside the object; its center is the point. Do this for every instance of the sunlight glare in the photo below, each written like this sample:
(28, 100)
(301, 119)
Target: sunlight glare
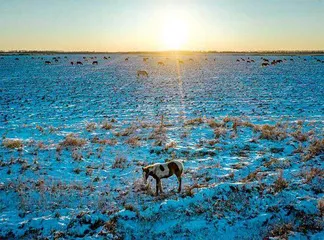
(175, 33)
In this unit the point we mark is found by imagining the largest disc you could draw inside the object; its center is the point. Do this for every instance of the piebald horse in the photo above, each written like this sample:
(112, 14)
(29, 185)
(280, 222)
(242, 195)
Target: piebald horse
(163, 170)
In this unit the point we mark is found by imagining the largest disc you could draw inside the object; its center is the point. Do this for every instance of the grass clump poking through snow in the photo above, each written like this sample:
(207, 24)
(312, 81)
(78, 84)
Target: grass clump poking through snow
(315, 149)
(195, 121)
(133, 141)
(120, 162)
(12, 143)
(280, 183)
(91, 126)
(72, 141)
(269, 132)
(106, 125)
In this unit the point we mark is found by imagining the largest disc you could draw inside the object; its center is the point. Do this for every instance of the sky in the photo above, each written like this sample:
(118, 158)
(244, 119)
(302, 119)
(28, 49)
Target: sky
(154, 25)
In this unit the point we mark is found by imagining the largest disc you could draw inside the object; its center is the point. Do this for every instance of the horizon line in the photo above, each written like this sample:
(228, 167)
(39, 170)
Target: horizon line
(26, 52)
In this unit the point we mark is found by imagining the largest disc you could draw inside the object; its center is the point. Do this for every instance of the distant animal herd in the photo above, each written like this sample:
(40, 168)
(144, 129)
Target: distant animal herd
(142, 73)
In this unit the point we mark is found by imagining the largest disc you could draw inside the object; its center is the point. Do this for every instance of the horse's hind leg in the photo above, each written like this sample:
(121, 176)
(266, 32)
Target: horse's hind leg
(179, 180)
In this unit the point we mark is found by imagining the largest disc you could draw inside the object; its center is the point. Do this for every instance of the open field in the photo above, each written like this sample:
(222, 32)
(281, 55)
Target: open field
(75, 137)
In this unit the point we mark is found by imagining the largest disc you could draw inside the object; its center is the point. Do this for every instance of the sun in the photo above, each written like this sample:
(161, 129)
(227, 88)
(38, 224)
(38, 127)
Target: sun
(175, 33)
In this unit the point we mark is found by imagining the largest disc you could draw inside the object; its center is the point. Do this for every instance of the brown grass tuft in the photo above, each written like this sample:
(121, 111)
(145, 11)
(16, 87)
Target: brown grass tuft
(106, 125)
(195, 121)
(72, 141)
(12, 143)
(280, 182)
(120, 162)
(133, 141)
(91, 126)
(316, 148)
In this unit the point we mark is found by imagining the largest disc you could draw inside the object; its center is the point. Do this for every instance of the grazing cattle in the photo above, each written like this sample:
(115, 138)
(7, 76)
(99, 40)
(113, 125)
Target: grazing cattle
(47, 62)
(191, 60)
(161, 63)
(16, 59)
(237, 60)
(72, 63)
(145, 59)
(105, 58)
(142, 73)
(181, 62)
(79, 63)
(264, 64)
(252, 60)
(95, 63)
(126, 59)
(265, 60)
(163, 170)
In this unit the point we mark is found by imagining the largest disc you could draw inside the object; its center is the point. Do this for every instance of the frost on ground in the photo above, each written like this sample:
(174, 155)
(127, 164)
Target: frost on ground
(75, 138)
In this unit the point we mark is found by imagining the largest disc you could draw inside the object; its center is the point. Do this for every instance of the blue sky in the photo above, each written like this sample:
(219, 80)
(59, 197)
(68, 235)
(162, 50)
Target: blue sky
(138, 25)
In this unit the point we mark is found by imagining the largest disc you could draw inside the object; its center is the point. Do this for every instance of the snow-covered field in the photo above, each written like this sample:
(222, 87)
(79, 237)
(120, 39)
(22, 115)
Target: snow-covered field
(75, 138)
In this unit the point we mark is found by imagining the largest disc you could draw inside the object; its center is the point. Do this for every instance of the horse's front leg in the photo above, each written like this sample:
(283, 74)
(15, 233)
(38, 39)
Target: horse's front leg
(160, 186)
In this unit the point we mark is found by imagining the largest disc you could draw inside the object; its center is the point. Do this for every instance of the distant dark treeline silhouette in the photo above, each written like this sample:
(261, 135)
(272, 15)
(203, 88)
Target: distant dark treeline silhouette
(279, 52)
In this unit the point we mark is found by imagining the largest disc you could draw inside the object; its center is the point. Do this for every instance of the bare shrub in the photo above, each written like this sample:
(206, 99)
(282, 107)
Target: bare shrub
(12, 143)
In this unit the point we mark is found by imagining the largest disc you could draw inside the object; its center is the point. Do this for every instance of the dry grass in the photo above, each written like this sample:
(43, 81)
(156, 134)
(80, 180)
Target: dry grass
(110, 142)
(315, 149)
(106, 125)
(195, 121)
(39, 128)
(252, 176)
(220, 131)
(299, 136)
(280, 182)
(133, 141)
(126, 132)
(91, 126)
(312, 173)
(72, 141)
(213, 124)
(169, 145)
(271, 132)
(120, 162)
(320, 206)
(12, 143)
(281, 231)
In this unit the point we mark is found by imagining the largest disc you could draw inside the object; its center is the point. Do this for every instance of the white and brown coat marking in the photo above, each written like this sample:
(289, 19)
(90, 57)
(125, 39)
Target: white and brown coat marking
(163, 170)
